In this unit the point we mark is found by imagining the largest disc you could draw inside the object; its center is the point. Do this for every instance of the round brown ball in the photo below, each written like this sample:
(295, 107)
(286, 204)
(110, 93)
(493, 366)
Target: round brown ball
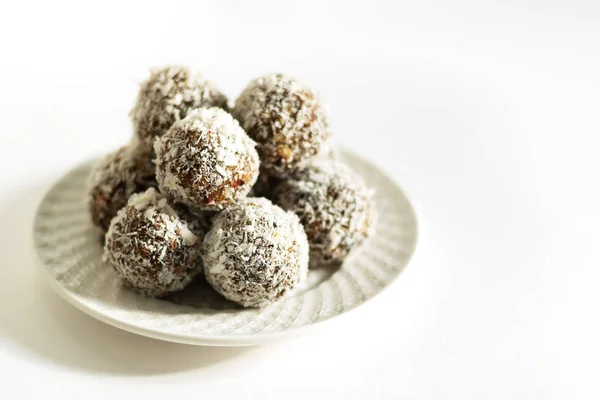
(286, 118)
(334, 206)
(153, 245)
(255, 253)
(206, 160)
(115, 178)
(167, 96)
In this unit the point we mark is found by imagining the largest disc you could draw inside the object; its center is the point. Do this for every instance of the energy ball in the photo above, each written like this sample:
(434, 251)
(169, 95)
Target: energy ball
(168, 96)
(116, 177)
(206, 160)
(334, 206)
(286, 118)
(255, 253)
(154, 246)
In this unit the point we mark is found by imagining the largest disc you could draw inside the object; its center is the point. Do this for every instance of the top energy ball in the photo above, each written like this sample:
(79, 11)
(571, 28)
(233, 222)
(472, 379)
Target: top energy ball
(287, 120)
(168, 96)
(206, 160)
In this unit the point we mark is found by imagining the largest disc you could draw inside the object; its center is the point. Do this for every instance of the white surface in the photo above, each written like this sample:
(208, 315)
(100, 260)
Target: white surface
(69, 252)
(486, 114)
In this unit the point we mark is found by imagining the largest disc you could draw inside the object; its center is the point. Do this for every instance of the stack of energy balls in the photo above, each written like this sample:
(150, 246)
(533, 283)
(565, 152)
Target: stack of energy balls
(248, 196)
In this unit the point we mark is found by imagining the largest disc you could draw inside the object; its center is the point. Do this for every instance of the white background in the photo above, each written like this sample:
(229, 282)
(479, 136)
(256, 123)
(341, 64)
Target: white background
(487, 114)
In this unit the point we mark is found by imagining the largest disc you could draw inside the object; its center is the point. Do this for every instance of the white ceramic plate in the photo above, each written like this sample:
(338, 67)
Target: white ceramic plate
(69, 250)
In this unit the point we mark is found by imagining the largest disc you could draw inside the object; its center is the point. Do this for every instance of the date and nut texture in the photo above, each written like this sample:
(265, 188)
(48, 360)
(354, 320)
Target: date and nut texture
(115, 178)
(206, 160)
(286, 118)
(255, 253)
(155, 246)
(167, 96)
(334, 206)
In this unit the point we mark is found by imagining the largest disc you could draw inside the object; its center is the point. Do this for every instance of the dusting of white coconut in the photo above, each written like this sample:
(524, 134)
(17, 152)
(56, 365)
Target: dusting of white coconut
(154, 246)
(286, 118)
(255, 253)
(168, 95)
(334, 206)
(116, 177)
(206, 160)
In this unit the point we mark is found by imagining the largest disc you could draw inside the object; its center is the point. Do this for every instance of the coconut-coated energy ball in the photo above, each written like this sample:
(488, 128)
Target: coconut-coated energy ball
(255, 253)
(334, 206)
(168, 95)
(206, 160)
(116, 177)
(153, 245)
(286, 118)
